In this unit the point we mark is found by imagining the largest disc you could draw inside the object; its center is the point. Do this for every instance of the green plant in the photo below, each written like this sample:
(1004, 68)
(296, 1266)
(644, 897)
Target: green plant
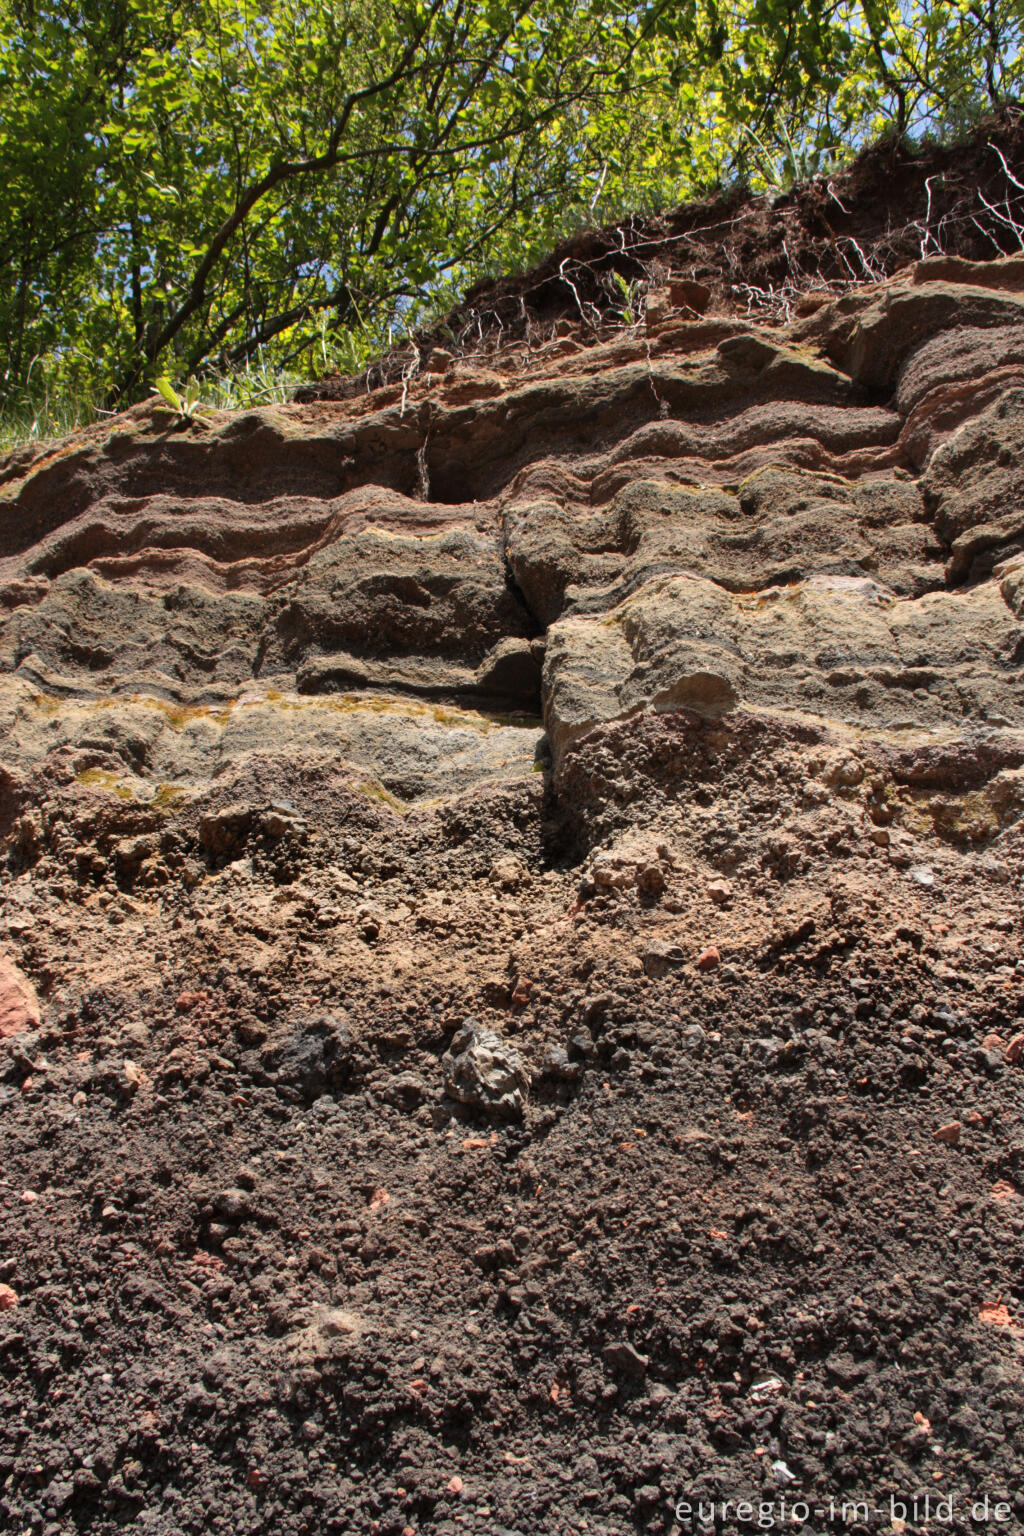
(627, 290)
(186, 405)
(787, 162)
(29, 419)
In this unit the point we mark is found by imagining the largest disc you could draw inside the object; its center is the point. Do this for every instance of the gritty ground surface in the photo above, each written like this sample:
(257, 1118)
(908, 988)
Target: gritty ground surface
(511, 998)
(269, 1280)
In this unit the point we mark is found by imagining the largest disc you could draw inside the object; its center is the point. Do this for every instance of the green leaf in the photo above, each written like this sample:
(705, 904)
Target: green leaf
(170, 394)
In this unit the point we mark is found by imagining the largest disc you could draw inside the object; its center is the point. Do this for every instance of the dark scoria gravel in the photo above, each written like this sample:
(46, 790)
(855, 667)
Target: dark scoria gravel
(734, 1264)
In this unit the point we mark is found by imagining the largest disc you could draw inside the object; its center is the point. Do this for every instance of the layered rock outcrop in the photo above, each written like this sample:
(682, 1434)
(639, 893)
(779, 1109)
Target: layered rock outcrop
(701, 513)
(511, 1009)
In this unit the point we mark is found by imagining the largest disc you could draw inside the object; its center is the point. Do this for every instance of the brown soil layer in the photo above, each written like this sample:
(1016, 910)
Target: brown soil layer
(511, 998)
(892, 206)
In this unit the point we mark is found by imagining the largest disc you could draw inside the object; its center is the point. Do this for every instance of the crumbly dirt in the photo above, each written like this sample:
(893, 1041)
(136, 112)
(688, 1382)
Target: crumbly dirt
(755, 255)
(758, 1232)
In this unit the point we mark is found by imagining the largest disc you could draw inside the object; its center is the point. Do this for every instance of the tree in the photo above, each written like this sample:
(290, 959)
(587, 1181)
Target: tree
(224, 174)
(192, 185)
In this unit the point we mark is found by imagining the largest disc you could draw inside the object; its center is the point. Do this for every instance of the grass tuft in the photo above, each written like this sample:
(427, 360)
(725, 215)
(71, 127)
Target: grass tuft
(44, 417)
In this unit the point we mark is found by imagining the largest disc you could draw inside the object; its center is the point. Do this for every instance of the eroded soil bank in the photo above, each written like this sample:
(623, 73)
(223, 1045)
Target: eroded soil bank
(511, 996)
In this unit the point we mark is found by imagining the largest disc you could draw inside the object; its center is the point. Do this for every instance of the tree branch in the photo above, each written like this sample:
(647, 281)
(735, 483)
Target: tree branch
(282, 170)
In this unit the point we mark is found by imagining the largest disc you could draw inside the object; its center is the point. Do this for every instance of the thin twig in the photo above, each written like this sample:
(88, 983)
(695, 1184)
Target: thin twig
(1002, 160)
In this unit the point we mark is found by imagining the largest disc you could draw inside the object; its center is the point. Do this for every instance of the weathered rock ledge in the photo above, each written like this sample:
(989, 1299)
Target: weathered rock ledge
(701, 513)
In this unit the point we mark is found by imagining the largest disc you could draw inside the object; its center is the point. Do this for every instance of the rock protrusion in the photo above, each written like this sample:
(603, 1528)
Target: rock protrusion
(486, 1073)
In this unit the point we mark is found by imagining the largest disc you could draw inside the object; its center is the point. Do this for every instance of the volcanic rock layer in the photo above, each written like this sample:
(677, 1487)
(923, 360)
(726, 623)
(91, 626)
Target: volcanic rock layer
(511, 983)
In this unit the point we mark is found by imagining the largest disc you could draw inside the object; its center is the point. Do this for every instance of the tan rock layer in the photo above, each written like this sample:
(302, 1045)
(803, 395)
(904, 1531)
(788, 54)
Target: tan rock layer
(700, 514)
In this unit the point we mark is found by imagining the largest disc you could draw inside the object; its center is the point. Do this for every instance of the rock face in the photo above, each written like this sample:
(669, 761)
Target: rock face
(649, 697)
(708, 516)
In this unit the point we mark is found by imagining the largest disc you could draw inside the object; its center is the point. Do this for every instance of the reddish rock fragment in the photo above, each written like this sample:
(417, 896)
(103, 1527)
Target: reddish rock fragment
(521, 995)
(950, 1134)
(995, 1314)
(684, 293)
(19, 1006)
(708, 958)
